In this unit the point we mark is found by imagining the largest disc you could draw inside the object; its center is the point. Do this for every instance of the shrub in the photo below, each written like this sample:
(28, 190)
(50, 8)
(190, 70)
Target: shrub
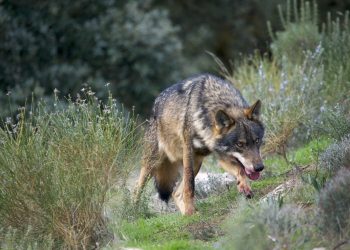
(336, 44)
(268, 226)
(336, 156)
(300, 32)
(47, 45)
(334, 205)
(287, 93)
(300, 80)
(14, 239)
(57, 167)
(334, 122)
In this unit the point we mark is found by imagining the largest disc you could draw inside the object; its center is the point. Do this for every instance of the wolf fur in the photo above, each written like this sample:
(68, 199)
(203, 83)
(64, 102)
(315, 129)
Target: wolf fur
(190, 120)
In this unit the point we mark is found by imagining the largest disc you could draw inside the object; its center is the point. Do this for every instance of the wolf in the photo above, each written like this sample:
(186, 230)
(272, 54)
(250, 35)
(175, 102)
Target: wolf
(191, 119)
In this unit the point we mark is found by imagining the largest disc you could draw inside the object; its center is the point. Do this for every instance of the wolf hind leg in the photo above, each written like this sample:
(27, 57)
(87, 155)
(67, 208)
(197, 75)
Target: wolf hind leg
(150, 160)
(165, 176)
(144, 177)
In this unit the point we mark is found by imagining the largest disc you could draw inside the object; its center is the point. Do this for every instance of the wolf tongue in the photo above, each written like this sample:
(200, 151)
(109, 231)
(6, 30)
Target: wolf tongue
(253, 175)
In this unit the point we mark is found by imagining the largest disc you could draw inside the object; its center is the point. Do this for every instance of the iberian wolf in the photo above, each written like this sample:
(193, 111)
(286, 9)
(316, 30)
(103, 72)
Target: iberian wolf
(191, 119)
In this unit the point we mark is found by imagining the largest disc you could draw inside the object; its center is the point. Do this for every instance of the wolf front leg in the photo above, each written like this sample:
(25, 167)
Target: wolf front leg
(242, 182)
(184, 194)
(188, 179)
(178, 194)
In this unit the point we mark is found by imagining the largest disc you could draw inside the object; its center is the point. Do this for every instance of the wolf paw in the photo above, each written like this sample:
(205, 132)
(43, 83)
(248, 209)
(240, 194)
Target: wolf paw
(246, 190)
(189, 210)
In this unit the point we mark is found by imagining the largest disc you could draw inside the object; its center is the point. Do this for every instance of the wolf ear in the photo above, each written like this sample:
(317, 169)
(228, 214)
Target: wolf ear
(253, 112)
(222, 120)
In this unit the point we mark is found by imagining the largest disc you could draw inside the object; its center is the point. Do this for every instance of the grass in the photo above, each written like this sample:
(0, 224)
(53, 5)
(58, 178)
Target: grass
(57, 167)
(205, 229)
(302, 156)
(194, 232)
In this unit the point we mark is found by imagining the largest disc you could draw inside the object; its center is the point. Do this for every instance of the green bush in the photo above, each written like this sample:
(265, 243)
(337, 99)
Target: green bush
(336, 156)
(14, 239)
(334, 205)
(300, 32)
(57, 168)
(334, 122)
(336, 44)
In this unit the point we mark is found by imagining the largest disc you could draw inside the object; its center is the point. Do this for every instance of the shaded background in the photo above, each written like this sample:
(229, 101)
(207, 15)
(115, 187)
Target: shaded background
(139, 47)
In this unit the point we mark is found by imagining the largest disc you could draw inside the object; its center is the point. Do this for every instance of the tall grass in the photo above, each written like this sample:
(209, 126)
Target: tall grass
(57, 166)
(300, 33)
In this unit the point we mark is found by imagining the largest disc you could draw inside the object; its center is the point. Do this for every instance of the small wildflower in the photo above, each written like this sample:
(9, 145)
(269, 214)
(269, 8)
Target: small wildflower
(107, 84)
(8, 93)
(106, 111)
(90, 93)
(8, 120)
(21, 109)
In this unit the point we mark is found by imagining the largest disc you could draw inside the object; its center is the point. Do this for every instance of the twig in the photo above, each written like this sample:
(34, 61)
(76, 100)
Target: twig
(340, 244)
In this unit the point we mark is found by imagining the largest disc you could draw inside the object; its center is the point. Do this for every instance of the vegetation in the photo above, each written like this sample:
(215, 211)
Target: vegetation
(57, 168)
(334, 204)
(139, 47)
(48, 45)
(67, 167)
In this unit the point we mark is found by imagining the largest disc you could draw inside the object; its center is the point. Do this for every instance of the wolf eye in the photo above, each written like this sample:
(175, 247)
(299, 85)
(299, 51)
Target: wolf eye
(239, 144)
(257, 140)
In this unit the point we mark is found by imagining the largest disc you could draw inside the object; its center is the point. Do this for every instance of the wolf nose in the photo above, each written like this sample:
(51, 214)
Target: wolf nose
(259, 167)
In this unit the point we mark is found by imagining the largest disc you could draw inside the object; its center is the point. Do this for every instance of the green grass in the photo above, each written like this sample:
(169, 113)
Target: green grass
(184, 231)
(302, 156)
(309, 152)
(264, 185)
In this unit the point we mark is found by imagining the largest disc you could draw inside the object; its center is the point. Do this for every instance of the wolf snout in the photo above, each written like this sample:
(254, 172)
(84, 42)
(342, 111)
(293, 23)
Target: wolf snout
(259, 167)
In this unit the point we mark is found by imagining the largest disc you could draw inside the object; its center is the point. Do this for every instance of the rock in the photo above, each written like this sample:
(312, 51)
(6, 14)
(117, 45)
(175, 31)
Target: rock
(209, 183)
(205, 184)
(281, 189)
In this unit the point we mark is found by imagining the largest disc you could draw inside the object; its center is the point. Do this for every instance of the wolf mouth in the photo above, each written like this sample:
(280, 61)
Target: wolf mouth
(251, 174)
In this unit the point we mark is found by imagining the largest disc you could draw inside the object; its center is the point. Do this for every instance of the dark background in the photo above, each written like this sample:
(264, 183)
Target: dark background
(139, 47)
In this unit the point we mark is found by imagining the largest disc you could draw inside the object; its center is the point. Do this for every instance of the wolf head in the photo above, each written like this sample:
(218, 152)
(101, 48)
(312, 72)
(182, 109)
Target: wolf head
(239, 136)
